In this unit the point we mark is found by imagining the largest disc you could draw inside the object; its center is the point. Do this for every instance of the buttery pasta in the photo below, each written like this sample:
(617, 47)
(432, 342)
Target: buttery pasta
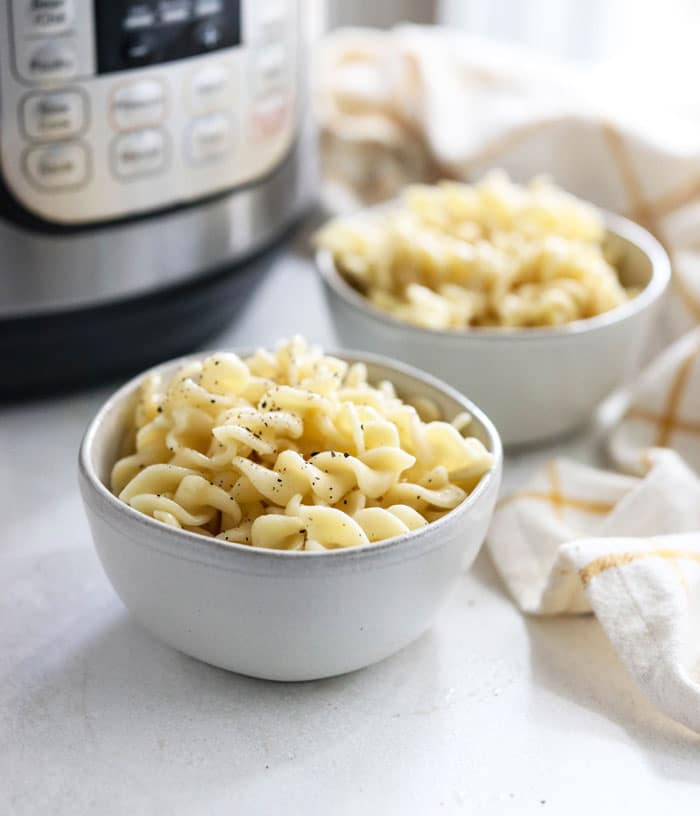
(455, 256)
(294, 450)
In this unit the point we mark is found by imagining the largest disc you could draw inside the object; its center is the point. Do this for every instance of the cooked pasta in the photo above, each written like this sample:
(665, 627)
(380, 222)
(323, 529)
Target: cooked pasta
(293, 450)
(455, 256)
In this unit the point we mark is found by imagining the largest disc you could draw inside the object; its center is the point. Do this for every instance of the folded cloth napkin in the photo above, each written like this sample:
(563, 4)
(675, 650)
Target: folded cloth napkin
(577, 539)
(419, 104)
(664, 409)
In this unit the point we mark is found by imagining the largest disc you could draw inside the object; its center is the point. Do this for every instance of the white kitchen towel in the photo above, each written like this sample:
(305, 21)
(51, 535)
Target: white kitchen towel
(419, 104)
(568, 508)
(577, 539)
(664, 410)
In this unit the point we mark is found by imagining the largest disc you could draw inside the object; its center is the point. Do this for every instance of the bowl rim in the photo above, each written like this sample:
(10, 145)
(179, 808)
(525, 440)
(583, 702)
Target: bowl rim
(190, 543)
(615, 224)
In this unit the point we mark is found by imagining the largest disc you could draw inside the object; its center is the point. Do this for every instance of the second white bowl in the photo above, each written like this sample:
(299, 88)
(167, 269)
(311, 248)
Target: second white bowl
(533, 383)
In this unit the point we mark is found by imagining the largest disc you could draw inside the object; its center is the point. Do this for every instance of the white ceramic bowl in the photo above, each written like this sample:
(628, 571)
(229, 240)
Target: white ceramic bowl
(533, 383)
(275, 614)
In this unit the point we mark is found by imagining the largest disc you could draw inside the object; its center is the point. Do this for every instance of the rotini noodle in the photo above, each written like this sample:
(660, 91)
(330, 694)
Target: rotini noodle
(454, 256)
(292, 450)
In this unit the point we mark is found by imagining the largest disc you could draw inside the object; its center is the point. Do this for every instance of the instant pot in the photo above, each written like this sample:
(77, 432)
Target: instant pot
(149, 151)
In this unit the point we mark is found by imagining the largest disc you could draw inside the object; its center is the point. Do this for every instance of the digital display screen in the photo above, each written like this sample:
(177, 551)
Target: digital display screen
(137, 33)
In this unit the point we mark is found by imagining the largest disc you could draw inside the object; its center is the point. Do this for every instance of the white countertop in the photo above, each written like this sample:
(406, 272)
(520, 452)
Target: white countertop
(488, 713)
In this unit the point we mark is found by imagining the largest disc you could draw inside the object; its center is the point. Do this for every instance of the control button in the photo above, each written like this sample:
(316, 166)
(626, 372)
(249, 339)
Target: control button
(139, 154)
(210, 87)
(205, 8)
(57, 166)
(210, 137)
(271, 64)
(53, 115)
(270, 113)
(52, 60)
(209, 34)
(272, 20)
(139, 48)
(50, 16)
(138, 104)
(174, 11)
(138, 15)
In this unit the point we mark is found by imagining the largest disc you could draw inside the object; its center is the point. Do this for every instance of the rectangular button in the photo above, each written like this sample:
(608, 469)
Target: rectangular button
(210, 137)
(50, 16)
(51, 60)
(204, 8)
(271, 66)
(270, 20)
(138, 104)
(138, 15)
(174, 11)
(210, 87)
(139, 154)
(271, 113)
(57, 166)
(53, 115)
(41, 17)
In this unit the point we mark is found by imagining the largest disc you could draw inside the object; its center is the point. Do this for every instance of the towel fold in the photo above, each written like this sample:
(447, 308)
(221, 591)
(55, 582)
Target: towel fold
(576, 539)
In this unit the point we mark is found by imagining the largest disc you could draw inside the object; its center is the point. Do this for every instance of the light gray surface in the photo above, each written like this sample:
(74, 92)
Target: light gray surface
(488, 713)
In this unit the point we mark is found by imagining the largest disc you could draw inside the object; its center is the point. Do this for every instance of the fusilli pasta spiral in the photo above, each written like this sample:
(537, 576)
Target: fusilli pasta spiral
(293, 450)
(453, 256)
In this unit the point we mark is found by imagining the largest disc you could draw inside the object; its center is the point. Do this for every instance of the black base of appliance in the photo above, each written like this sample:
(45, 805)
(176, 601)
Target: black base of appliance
(63, 350)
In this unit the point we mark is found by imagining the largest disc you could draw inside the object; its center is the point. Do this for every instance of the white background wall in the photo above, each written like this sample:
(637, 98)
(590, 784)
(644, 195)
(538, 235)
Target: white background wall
(651, 46)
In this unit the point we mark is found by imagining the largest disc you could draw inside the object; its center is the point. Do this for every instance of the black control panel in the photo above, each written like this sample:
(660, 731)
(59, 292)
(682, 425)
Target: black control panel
(137, 33)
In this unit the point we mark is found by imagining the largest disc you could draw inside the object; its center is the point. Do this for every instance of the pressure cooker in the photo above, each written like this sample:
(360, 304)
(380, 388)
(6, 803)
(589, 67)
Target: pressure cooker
(150, 151)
